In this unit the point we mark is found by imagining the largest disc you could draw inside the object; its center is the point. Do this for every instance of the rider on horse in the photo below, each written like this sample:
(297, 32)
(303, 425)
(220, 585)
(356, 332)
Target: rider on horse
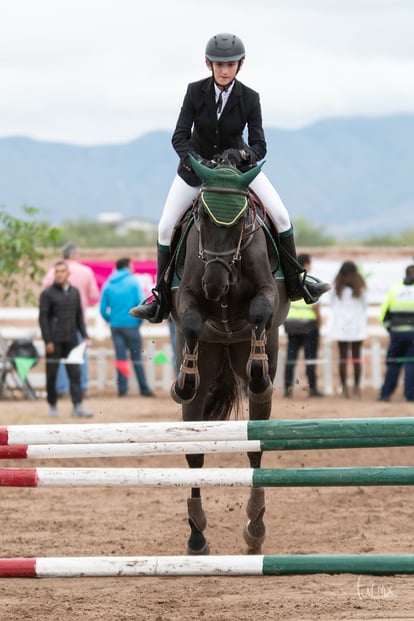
(213, 116)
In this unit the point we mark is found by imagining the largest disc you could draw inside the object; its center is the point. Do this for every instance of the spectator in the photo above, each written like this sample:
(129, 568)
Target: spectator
(83, 278)
(121, 292)
(302, 329)
(397, 316)
(61, 319)
(349, 321)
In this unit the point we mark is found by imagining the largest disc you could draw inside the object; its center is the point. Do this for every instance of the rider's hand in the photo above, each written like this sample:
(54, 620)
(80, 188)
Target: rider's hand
(233, 156)
(199, 158)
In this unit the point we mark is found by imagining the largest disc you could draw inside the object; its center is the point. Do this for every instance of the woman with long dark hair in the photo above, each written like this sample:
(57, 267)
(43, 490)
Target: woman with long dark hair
(349, 321)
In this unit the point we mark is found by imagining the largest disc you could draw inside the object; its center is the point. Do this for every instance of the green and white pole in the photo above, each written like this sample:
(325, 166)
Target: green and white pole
(252, 565)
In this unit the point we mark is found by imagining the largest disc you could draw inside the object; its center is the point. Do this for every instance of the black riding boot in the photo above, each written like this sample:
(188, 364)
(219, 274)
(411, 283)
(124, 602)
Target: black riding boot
(298, 283)
(157, 306)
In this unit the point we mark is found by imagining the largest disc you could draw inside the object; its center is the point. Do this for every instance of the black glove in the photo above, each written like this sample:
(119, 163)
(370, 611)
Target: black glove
(232, 156)
(236, 156)
(202, 160)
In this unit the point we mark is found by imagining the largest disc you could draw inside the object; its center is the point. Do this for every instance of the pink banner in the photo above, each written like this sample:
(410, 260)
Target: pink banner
(145, 271)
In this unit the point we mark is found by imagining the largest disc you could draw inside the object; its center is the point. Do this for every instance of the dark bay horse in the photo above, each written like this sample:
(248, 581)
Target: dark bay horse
(227, 310)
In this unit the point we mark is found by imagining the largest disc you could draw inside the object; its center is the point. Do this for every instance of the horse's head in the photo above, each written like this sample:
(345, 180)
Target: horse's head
(222, 219)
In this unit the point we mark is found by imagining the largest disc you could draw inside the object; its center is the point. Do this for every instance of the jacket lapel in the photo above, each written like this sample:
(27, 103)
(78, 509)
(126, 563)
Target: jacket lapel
(210, 99)
(232, 100)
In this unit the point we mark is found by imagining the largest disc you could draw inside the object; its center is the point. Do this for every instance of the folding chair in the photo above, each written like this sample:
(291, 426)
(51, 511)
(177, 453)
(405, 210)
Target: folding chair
(9, 377)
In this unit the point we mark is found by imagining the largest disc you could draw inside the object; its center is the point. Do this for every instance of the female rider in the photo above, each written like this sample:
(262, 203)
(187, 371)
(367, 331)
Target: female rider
(214, 114)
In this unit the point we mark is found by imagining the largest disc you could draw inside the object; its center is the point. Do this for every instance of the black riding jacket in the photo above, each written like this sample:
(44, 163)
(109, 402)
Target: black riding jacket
(198, 129)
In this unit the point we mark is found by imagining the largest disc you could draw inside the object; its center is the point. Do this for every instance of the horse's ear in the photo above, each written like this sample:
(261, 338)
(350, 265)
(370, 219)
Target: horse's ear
(244, 179)
(204, 172)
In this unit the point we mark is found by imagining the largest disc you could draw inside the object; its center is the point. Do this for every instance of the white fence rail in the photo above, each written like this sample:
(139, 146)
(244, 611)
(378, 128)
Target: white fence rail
(12, 318)
(23, 322)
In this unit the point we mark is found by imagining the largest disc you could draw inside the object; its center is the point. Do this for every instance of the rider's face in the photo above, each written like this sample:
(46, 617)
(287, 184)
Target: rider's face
(224, 72)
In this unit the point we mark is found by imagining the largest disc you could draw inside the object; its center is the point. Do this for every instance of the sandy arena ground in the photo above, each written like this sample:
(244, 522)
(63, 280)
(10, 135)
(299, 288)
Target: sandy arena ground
(126, 521)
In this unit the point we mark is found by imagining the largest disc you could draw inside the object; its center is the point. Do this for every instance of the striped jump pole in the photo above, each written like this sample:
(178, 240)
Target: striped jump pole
(207, 431)
(252, 565)
(206, 477)
(136, 449)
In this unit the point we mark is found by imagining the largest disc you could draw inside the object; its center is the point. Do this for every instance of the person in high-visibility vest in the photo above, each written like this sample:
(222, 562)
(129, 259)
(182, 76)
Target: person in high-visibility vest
(397, 316)
(302, 329)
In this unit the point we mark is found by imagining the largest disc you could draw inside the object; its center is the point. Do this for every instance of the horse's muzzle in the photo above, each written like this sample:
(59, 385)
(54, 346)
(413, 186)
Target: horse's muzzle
(213, 291)
(218, 276)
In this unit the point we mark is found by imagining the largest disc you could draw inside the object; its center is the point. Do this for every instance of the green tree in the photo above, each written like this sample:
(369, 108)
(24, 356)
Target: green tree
(92, 234)
(23, 242)
(308, 234)
(405, 238)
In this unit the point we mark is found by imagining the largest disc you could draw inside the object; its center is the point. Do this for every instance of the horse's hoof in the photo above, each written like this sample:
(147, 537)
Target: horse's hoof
(204, 551)
(179, 399)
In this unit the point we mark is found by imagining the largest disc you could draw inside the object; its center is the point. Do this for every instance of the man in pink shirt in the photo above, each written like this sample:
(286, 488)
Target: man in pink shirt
(83, 278)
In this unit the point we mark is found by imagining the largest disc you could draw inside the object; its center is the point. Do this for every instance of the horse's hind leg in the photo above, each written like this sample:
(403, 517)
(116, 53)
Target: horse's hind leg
(197, 544)
(255, 529)
(262, 372)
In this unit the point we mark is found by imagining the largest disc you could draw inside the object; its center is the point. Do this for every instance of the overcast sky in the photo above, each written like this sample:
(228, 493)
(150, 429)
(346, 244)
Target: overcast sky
(108, 71)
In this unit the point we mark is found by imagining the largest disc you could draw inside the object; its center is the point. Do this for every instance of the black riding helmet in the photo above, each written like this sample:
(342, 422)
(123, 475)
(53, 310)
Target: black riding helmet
(225, 47)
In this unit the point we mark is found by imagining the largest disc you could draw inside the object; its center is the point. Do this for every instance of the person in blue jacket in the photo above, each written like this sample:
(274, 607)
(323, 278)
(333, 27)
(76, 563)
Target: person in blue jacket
(121, 291)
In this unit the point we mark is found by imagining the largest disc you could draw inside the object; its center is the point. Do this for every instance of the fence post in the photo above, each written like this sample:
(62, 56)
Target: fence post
(327, 367)
(376, 357)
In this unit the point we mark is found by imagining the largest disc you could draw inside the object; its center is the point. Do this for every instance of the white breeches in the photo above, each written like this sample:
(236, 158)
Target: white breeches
(181, 196)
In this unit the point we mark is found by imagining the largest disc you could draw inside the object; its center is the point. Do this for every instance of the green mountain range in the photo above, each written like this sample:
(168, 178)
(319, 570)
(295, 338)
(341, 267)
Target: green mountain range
(353, 176)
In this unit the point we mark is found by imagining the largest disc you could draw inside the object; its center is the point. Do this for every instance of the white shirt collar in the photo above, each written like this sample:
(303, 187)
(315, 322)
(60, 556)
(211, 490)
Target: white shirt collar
(225, 93)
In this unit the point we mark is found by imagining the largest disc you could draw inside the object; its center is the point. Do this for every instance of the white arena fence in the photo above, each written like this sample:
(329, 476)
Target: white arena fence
(23, 323)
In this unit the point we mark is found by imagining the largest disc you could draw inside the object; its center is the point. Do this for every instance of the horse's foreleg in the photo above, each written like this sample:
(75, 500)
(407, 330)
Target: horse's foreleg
(186, 385)
(257, 368)
(184, 389)
(197, 544)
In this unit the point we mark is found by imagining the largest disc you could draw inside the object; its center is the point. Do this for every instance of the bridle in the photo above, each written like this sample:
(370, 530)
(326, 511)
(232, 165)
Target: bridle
(229, 259)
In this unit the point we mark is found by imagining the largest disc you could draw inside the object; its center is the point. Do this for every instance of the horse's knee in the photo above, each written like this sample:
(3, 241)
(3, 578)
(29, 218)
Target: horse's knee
(260, 313)
(192, 326)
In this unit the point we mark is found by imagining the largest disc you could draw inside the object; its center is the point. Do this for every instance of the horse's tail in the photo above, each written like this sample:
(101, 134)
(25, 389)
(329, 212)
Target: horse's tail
(224, 393)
